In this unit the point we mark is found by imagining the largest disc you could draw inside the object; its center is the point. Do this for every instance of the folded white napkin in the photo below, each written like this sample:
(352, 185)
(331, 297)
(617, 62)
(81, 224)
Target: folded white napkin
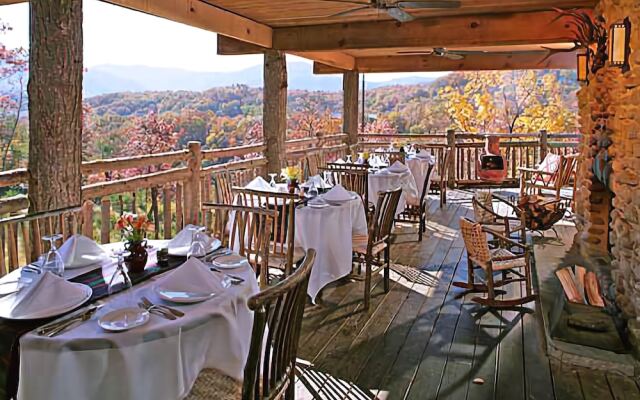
(192, 276)
(317, 181)
(397, 167)
(80, 251)
(179, 245)
(424, 155)
(47, 295)
(258, 184)
(338, 193)
(339, 161)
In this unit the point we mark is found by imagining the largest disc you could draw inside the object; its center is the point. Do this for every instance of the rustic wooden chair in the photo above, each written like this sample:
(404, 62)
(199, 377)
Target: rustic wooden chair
(270, 369)
(312, 163)
(222, 184)
(551, 175)
(417, 214)
(492, 260)
(353, 177)
(393, 156)
(247, 230)
(507, 225)
(368, 248)
(21, 236)
(283, 254)
(439, 180)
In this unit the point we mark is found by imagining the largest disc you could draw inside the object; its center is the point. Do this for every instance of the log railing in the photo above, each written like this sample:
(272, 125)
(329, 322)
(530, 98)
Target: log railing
(168, 185)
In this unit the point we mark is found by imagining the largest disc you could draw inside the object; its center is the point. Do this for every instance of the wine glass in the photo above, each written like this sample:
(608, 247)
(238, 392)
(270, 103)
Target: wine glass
(115, 283)
(273, 180)
(328, 178)
(197, 246)
(313, 190)
(349, 161)
(53, 260)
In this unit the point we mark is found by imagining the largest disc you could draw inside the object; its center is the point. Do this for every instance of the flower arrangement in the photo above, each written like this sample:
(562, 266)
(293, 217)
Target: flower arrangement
(291, 173)
(133, 227)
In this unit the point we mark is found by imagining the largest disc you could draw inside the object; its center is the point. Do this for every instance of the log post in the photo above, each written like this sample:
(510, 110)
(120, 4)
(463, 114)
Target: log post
(55, 104)
(192, 184)
(350, 106)
(274, 115)
(451, 173)
(544, 145)
(105, 217)
(87, 219)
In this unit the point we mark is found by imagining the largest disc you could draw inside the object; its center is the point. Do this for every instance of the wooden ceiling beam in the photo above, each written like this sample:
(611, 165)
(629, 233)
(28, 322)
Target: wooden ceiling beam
(472, 62)
(459, 31)
(232, 47)
(200, 15)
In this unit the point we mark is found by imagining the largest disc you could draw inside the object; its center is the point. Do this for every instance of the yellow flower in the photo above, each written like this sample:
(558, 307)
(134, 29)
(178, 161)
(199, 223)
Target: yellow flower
(291, 172)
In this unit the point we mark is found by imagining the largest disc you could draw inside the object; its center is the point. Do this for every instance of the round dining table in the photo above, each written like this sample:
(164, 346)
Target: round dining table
(384, 180)
(419, 166)
(159, 360)
(329, 230)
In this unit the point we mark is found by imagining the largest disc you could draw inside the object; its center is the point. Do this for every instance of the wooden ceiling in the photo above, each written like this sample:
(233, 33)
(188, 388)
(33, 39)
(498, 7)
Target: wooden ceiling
(281, 13)
(371, 41)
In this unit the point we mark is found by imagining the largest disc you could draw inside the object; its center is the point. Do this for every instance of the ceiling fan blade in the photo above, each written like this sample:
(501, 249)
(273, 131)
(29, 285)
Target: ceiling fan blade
(453, 56)
(399, 14)
(364, 2)
(428, 4)
(348, 12)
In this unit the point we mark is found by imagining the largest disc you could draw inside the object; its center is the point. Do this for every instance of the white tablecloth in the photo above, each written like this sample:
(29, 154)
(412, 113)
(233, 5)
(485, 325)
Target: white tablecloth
(385, 180)
(419, 168)
(329, 231)
(159, 360)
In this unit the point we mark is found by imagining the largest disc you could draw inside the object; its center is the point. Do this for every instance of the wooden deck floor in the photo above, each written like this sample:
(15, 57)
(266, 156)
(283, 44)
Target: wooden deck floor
(422, 340)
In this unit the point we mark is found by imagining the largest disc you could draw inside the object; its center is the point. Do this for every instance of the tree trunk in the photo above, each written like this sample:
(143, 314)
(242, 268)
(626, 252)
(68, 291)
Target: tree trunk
(274, 114)
(55, 104)
(350, 106)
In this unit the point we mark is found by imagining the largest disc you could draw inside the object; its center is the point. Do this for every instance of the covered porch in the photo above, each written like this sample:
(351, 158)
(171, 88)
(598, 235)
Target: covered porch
(424, 338)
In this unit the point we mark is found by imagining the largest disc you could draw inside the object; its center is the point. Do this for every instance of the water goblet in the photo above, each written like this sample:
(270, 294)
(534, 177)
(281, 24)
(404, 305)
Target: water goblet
(53, 260)
(197, 246)
(120, 279)
(272, 183)
(313, 190)
(349, 161)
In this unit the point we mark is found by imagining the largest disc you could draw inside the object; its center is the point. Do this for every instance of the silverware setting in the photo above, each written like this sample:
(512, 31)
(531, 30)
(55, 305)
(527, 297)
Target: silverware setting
(217, 254)
(235, 280)
(157, 311)
(57, 327)
(172, 310)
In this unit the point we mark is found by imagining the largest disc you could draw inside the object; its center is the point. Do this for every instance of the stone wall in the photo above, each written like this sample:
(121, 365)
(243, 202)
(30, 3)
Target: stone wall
(610, 109)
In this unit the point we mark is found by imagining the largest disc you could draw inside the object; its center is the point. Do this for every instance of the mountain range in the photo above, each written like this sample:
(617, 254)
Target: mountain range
(103, 79)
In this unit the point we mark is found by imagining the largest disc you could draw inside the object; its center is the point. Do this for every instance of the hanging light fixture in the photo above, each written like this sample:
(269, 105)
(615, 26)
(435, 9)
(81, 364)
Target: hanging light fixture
(583, 67)
(619, 38)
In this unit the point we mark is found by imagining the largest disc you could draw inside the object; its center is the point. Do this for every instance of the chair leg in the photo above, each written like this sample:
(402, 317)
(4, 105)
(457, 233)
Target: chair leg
(387, 266)
(367, 285)
(490, 291)
(420, 229)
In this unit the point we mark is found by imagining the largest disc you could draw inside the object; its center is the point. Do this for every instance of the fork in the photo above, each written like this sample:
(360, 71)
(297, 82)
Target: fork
(172, 310)
(153, 309)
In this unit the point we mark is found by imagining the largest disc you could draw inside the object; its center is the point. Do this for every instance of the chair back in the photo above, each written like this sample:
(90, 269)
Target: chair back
(270, 368)
(425, 185)
(222, 184)
(483, 207)
(393, 156)
(443, 167)
(567, 170)
(284, 205)
(384, 215)
(347, 166)
(246, 230)
(21, 236)
(352, 179)
(311, 164)
(475, 240)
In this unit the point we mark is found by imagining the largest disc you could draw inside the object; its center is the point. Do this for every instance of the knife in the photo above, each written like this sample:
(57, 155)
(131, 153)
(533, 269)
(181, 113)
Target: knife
(77, 315)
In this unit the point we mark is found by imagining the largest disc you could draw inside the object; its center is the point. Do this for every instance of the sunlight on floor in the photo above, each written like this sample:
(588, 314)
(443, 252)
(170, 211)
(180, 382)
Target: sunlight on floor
(314, 384)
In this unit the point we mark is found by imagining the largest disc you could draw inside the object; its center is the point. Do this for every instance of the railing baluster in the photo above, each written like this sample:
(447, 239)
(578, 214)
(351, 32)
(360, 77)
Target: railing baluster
(105, 220)
(166, 211)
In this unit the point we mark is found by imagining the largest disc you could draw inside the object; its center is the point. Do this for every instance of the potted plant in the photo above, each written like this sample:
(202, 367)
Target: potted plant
(134, 230)
(292, 175)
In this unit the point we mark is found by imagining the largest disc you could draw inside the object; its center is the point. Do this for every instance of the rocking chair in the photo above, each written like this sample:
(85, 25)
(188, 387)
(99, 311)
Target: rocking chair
(485, 214)
(553, 173)
(494, 260)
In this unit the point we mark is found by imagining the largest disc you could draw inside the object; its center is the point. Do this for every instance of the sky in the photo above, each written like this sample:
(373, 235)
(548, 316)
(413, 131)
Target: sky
(118, 36)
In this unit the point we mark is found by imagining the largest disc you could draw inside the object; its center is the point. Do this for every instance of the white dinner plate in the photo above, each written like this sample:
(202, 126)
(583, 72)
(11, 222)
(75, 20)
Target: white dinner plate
(53, 310)
(178, 296)
(183, 250)
(123, 319)
(229, 261)
(318, 205)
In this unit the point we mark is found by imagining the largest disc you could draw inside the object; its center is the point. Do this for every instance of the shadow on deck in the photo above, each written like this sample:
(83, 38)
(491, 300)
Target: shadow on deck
(425, 339)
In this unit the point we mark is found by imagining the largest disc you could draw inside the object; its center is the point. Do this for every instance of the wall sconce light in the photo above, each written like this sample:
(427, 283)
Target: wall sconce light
(583, 66)
(619, 38)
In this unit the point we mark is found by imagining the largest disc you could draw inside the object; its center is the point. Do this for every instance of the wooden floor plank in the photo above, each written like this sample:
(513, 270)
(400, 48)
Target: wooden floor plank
(622, 387)
(594, 384)
(566, 384)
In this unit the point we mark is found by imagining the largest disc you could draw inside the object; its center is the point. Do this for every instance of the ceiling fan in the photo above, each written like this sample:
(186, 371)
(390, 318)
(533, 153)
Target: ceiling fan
(395, 9)
(461, 54)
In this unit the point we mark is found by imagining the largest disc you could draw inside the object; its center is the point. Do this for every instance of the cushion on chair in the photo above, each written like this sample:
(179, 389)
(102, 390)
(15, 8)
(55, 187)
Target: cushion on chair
(550, 164)
(506, 264)
(213, 384)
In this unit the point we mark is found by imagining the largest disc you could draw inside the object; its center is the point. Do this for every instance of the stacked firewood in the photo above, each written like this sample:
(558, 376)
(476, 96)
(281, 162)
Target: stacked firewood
(580, 286)
(540, 213)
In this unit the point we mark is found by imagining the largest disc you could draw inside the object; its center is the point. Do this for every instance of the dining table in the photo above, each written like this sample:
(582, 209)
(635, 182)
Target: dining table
(158, 360)
(384, 179)
(419, 167)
